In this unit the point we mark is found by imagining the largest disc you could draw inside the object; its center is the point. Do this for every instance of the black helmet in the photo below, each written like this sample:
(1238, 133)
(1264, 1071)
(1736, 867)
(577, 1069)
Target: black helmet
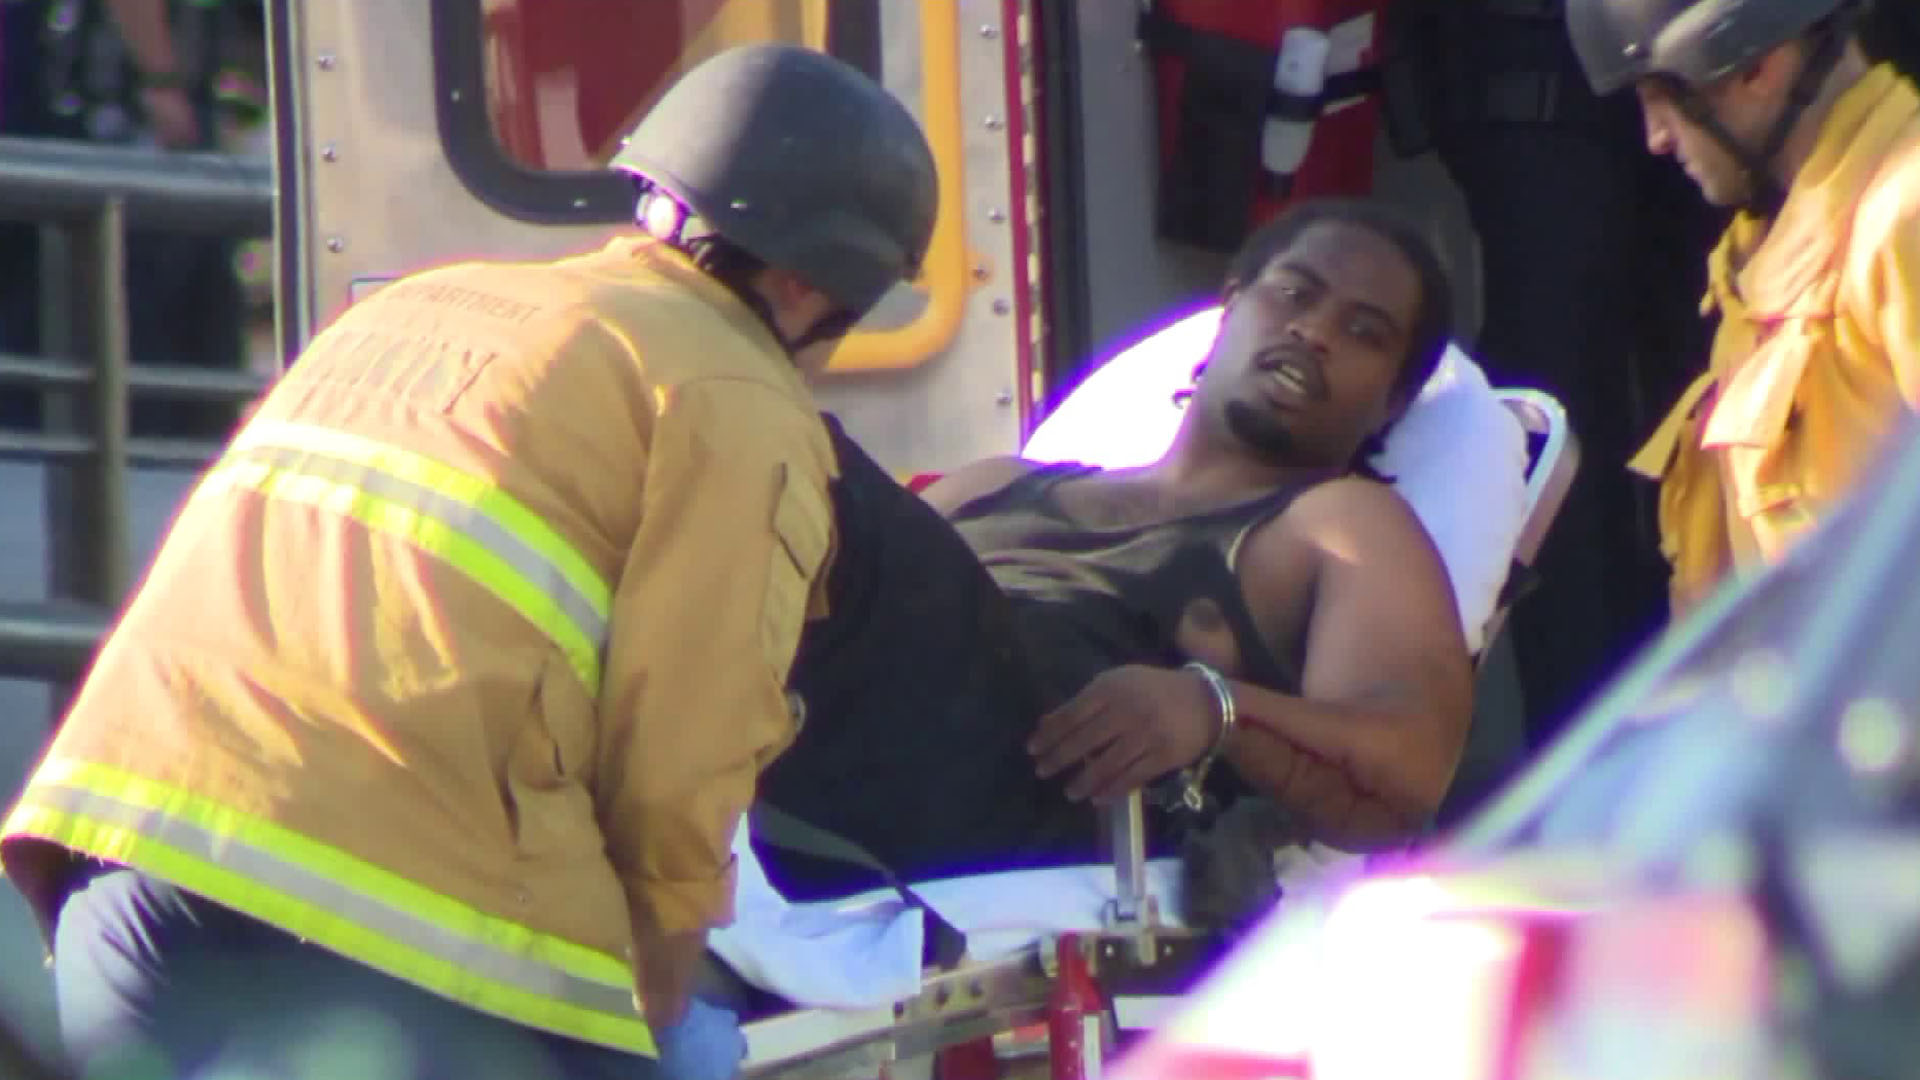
(1694, 41)
(799, 159)
(1697, 42)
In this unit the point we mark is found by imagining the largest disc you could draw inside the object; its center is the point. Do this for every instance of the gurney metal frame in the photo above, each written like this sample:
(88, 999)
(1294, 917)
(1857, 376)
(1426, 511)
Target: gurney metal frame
(1554, 451)
(1069, 983)
(1074, 983)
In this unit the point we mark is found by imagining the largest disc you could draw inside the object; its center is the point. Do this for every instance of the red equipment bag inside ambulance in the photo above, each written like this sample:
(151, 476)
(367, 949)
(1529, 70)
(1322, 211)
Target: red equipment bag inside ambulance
(1261, 103)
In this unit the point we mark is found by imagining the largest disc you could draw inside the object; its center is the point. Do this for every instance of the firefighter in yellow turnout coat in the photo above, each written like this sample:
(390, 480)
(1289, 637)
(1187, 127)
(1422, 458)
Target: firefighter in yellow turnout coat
(1774, 110)
(447, 689)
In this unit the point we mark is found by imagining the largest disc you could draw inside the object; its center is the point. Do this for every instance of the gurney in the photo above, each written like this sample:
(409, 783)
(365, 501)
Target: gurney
(1086, 954)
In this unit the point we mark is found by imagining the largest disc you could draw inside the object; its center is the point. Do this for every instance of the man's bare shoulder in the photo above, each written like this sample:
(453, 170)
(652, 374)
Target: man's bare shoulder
(1353, 508)
(1353, 521)
(969, 482)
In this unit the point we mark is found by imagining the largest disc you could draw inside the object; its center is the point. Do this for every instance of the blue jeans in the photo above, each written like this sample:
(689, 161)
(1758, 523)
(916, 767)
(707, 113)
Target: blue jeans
(152, 981)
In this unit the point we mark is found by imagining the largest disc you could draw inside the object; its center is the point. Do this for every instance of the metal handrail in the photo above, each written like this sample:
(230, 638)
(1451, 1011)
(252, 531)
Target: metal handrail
(49, 641)
(156, 379)
(92, 194)
(141, 453)
(52, 179)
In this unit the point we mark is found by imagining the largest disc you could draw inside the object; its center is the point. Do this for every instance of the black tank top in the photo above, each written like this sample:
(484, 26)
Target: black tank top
(1091, 598)
(919, 702)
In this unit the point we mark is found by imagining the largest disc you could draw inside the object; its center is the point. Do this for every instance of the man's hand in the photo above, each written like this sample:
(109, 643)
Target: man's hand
(1129, 726)
(170, 111)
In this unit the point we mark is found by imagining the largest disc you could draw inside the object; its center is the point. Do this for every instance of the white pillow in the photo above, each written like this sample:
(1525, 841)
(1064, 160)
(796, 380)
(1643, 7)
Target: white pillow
(1458, 456)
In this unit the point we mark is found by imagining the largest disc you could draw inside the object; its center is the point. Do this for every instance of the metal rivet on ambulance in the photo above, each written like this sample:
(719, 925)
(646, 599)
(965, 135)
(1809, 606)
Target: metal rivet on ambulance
(989, 31)
(326, 61)
(996, 215)
(993, 123)
(336, 244)
(980, 271)
(329, 152)
(1003, 399)
(1002, 307)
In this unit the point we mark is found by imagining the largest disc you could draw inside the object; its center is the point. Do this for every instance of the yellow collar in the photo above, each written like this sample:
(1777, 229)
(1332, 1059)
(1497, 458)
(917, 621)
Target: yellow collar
(1788, 261)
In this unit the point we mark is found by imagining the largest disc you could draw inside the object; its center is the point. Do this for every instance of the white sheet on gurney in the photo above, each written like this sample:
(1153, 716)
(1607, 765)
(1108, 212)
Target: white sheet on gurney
(864, 951)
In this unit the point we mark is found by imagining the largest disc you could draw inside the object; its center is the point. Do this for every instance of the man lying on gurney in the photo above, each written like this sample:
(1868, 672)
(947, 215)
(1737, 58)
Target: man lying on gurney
(1253, 614)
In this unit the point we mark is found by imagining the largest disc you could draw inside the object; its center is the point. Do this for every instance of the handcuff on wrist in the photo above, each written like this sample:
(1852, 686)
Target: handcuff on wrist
(1193, 793)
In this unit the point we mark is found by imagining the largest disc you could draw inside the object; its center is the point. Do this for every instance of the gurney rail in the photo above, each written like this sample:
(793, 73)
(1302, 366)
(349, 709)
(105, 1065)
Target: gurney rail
(952, 1008)
(972, 1004)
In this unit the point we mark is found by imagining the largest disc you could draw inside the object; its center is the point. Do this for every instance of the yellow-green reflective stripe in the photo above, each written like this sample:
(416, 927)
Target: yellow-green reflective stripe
(441, 539)
(505, 561)
(325, 895)
(483, 496)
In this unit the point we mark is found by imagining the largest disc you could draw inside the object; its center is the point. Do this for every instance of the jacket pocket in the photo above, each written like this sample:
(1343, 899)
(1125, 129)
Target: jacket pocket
(1756, 400)
(1769, 463)
(548, 778)
(1692, 516)
(802, 533)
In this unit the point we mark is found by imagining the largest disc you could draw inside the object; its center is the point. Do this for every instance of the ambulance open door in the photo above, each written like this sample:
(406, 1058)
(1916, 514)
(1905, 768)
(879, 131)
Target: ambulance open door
(418, 133)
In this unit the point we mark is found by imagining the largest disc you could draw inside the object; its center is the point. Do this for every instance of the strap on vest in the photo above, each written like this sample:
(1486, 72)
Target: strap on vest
(945, 945)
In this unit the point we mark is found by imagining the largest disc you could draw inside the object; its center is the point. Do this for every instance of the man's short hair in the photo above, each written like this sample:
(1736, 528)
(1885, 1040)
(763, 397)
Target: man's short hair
(1433, 326)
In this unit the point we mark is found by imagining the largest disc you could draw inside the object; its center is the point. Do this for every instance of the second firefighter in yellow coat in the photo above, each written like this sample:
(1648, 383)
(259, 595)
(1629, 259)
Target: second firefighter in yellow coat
(1775, 111)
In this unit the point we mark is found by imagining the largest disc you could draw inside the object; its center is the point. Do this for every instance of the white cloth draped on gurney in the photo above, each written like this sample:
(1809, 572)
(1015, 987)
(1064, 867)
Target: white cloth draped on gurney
(864, 951)
(1459, 459)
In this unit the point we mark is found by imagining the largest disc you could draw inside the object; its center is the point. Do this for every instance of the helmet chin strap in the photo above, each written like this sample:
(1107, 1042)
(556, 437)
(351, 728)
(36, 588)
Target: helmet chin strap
(667, 219)
(1766, 194)
(834, 324)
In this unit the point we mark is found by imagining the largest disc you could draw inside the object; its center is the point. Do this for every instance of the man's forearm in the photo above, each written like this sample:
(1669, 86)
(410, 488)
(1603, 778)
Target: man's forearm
(1349, 771)
(1332, 807)
(144, 26)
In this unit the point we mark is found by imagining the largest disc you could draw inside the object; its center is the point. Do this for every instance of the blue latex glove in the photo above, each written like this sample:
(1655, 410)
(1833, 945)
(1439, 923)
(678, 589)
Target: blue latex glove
(705, 1045)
